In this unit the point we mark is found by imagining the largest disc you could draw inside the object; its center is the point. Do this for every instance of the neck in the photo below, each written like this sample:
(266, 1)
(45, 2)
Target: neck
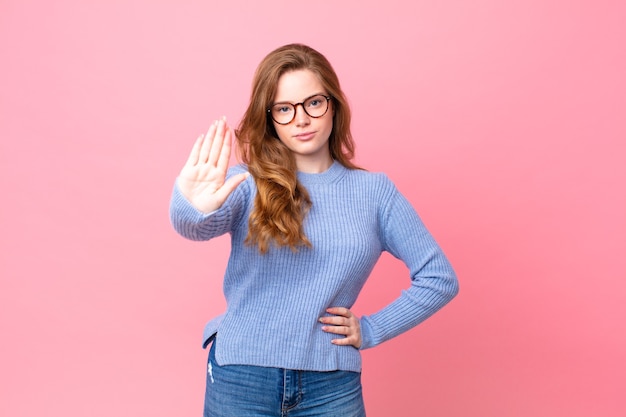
(315, 166)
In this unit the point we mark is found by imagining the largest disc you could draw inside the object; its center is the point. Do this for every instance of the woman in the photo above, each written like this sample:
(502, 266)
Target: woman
(307, 227)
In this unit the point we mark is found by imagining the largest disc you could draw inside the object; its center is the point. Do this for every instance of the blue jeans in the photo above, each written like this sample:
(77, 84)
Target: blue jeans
(254, 391)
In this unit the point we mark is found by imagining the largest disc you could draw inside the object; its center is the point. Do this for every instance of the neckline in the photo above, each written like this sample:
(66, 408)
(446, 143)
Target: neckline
(333, 173)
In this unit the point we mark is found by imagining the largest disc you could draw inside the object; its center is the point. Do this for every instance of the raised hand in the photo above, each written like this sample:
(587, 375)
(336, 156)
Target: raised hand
(343, 322)
(203, 178)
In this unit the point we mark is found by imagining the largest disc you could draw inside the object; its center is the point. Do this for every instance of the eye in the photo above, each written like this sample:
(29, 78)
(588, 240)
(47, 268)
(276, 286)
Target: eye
(282, 109)
(316, 101)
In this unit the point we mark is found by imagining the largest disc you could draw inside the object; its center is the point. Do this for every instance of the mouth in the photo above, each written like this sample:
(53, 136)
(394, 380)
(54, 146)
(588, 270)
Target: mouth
(305, 136)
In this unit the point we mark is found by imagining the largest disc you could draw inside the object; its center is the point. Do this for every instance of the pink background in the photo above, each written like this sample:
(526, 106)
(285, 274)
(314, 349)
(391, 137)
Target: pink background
(502, 121)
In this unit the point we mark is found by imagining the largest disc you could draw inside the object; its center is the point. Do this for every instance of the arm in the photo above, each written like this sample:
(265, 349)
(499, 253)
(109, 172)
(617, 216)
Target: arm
(433, 281)
(197, 208)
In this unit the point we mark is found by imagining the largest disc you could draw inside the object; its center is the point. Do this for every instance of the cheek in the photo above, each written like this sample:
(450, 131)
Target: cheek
(278, 130)
(330, 123)
(281, 134)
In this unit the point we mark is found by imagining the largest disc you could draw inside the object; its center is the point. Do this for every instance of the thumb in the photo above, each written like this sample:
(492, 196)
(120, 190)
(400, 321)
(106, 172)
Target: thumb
(230, 185)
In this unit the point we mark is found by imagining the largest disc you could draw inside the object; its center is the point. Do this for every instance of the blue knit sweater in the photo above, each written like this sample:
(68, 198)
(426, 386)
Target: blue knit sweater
(274, 300)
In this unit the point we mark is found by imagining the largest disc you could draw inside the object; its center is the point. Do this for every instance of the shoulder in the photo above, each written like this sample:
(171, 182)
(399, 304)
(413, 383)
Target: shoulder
(376, 182)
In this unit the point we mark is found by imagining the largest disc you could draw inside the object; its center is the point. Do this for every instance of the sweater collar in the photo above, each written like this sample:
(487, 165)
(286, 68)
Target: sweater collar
(332, 174)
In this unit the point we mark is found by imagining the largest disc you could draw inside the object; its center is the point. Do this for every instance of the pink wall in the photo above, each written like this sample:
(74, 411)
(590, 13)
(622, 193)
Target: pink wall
(502, 121)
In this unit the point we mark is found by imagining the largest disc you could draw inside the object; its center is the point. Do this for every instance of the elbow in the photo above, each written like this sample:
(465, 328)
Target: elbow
(451, 288)
(186, 230)
(455, 286)
(190, 234)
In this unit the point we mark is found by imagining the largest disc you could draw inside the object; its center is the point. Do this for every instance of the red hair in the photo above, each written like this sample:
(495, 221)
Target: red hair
(282, 202)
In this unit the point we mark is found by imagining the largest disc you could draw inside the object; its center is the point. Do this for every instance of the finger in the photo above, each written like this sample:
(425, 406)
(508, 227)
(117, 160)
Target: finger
(344, 341)
(339, 311)
(335, 320)
(230, 185)
(218, 140)
(343, 330)
(224, 158)
(195, 151)
(207, 143)
(347, 341)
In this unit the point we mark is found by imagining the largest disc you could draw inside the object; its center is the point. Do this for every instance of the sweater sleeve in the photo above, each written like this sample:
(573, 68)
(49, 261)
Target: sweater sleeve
(196, 225)
(433, 281)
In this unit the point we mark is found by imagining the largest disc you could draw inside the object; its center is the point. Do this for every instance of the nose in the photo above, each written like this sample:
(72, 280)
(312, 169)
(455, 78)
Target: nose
(301, 117)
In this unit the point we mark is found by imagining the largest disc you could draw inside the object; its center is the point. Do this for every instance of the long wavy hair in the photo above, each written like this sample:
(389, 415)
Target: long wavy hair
(281, 202)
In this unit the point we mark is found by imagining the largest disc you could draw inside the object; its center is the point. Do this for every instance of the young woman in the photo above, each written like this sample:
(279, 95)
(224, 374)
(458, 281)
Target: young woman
(307, 227)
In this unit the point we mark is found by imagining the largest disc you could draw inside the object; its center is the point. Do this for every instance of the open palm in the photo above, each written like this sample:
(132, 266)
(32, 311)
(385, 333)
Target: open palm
(203, 178)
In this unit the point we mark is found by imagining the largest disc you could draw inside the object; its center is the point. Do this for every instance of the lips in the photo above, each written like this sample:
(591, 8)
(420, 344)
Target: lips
(305, 136)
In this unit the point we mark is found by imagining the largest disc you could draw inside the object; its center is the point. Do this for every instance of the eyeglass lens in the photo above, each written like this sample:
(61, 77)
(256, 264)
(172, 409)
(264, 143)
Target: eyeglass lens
(315, 106)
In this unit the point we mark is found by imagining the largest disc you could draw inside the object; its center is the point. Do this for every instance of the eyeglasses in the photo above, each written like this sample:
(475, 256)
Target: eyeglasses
(315, 106)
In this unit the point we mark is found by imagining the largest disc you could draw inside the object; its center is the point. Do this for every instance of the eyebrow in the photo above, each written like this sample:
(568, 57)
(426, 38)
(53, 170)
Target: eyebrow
(299, 102)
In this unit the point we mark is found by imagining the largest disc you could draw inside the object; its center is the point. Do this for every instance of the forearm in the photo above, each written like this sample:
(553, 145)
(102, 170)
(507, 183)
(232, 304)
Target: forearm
(424, 298)
(194, 224)
(433, 280)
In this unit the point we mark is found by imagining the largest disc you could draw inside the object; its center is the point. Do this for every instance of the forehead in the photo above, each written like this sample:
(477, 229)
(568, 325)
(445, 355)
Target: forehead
(295, 86)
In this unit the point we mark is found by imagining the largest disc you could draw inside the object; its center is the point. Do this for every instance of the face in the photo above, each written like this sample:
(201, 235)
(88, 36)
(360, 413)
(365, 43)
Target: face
(306, 136)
